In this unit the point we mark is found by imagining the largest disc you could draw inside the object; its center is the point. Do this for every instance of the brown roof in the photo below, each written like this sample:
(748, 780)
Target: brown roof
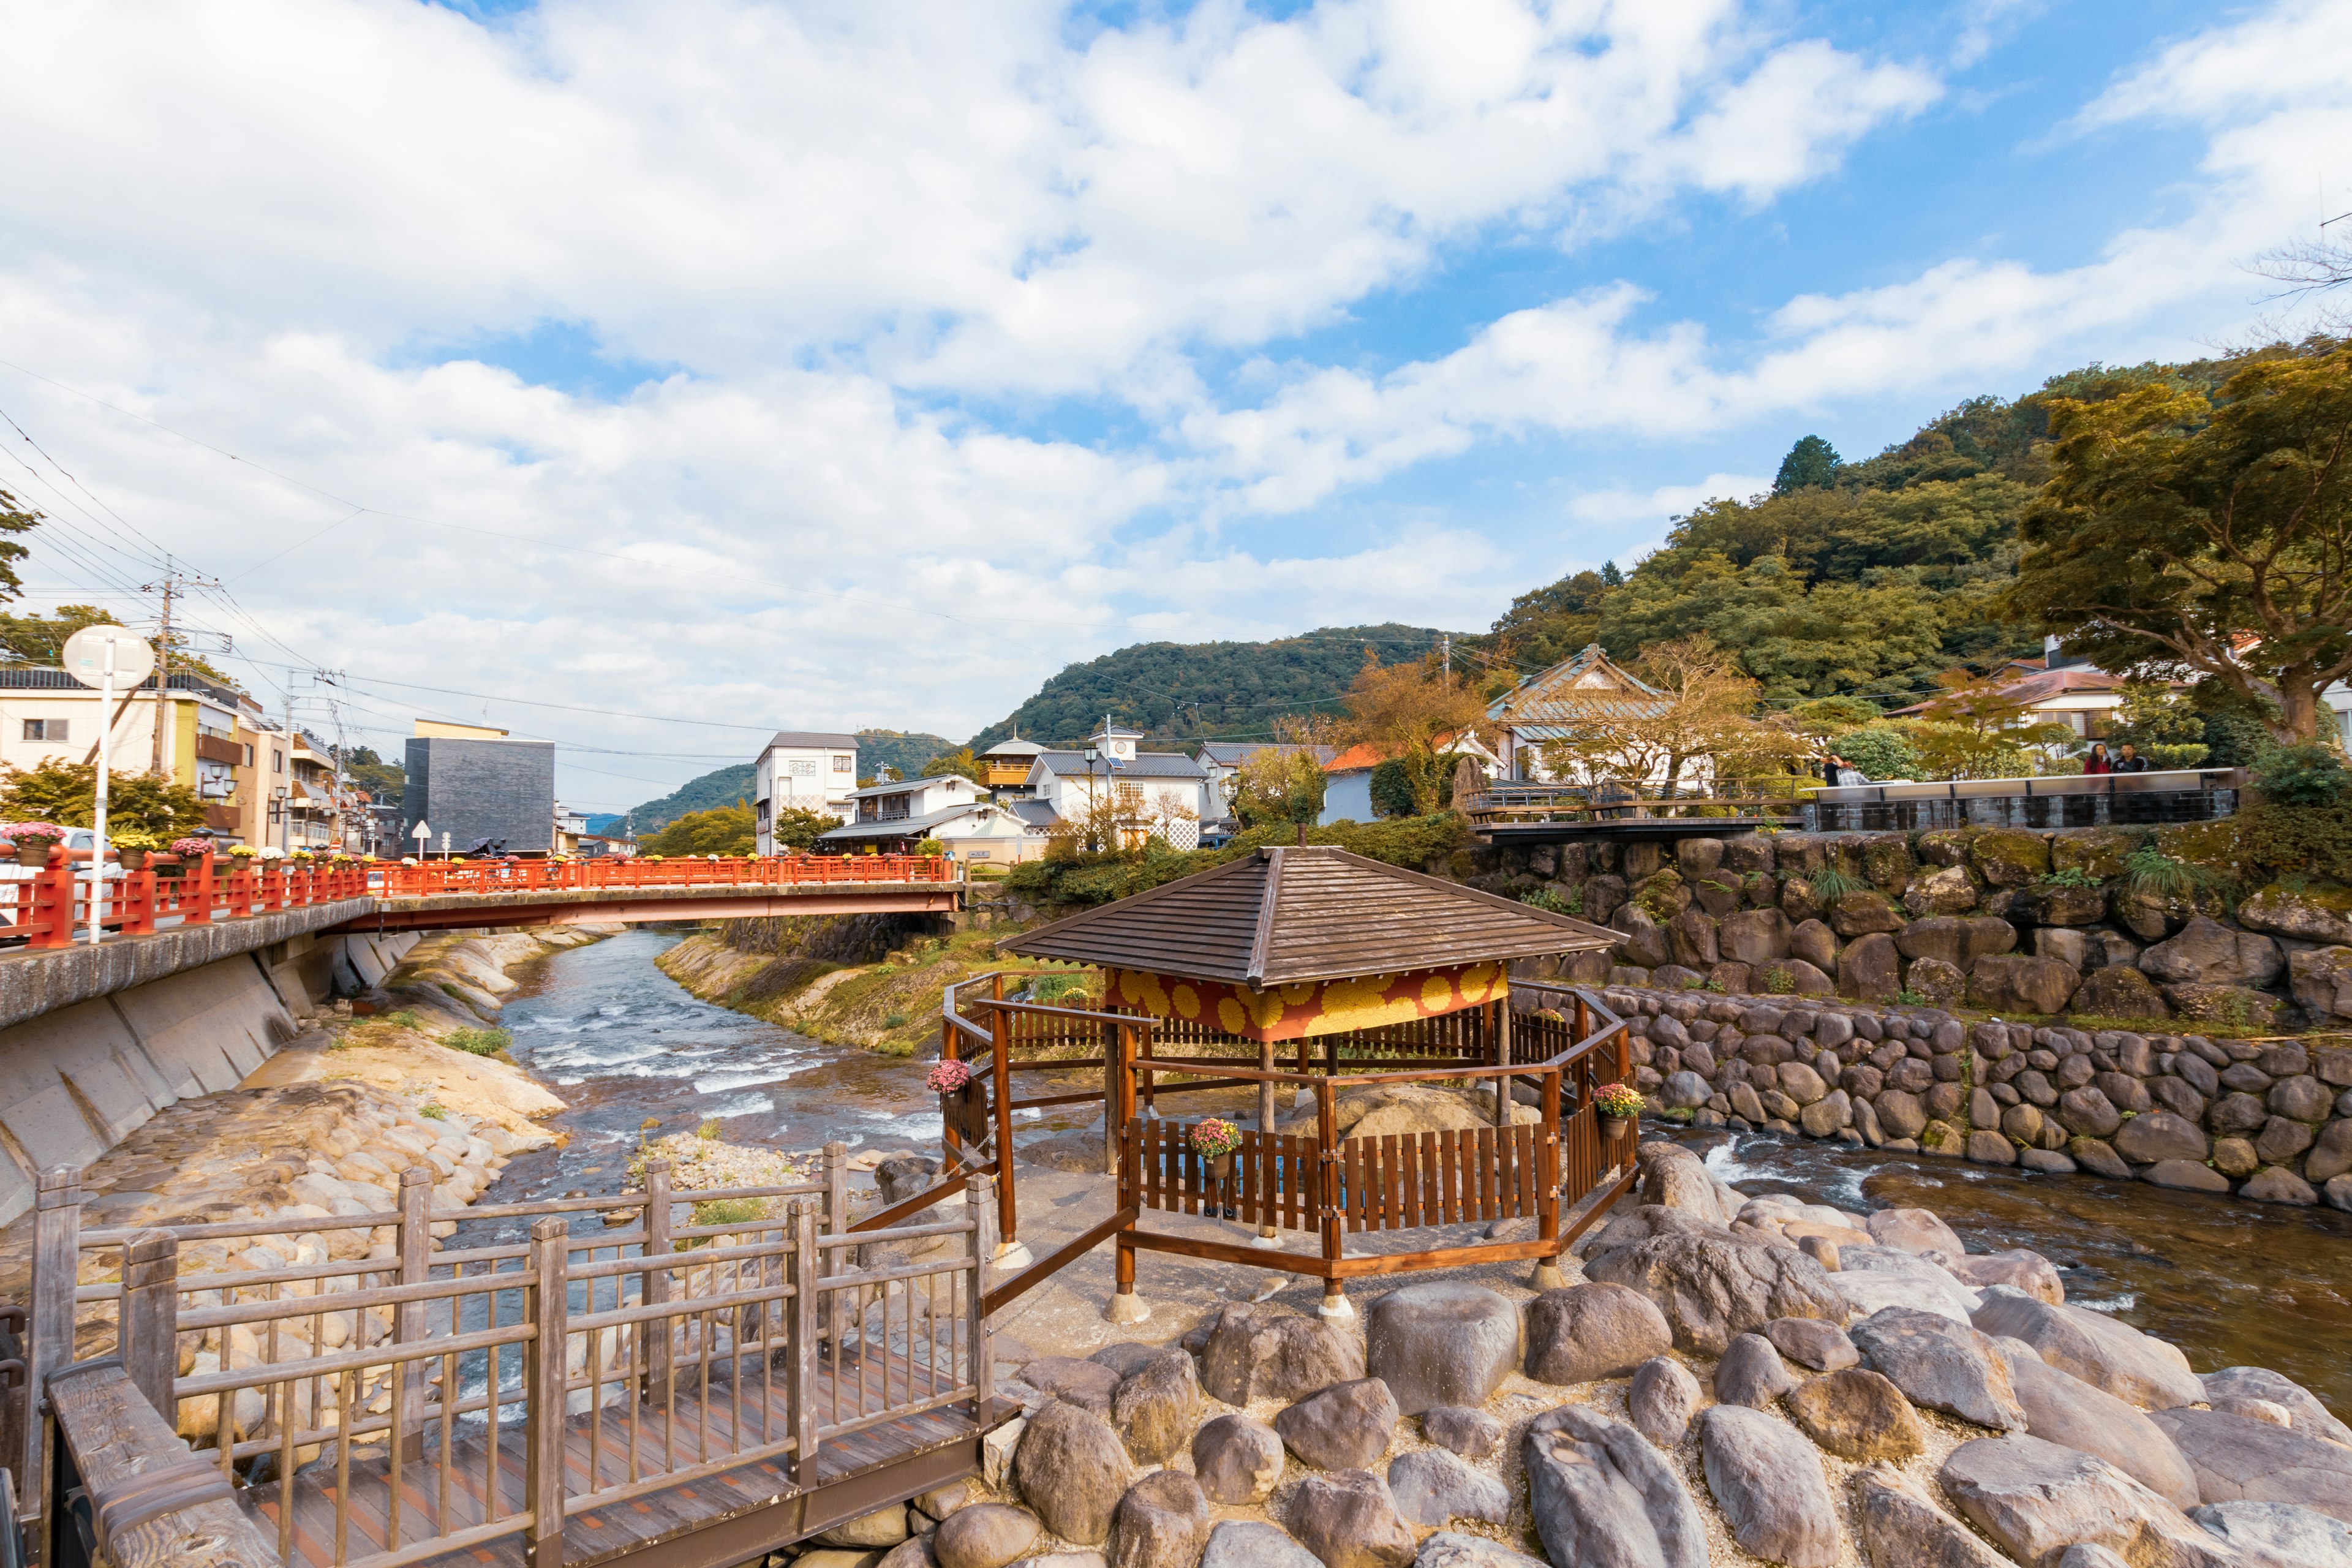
(1285, 915)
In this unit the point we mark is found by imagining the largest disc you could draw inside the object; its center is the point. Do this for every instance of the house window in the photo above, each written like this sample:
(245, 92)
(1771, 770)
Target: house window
(277, 760)
(800, 768)
(46, 728)
(845, 764)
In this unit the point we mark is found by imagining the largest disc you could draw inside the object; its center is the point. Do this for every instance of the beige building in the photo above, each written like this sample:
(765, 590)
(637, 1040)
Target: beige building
(213, 739)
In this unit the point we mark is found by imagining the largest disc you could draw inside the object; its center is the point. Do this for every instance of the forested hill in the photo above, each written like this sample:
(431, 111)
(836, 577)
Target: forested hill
(876, 749)
(1865, 578)
(1194, 690)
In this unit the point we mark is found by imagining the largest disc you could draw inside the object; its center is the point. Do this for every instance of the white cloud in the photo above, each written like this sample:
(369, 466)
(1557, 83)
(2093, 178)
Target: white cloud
(1617, 507)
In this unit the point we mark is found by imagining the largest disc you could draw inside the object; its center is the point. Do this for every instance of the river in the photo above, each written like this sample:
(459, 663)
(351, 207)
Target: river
(2230, 1283)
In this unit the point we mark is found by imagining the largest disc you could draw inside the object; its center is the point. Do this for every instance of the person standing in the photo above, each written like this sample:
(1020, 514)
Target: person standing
(2130, 761)
(2098, 762)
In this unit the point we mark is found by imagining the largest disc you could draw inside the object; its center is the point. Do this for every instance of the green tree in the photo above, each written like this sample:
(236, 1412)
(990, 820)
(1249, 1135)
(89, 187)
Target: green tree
(1811, 464)
(722, 830)
(960, 763)
(795, 829)
(15, 518)
(2185, 534)
(41, 639)
(66, 794)
(384, 782)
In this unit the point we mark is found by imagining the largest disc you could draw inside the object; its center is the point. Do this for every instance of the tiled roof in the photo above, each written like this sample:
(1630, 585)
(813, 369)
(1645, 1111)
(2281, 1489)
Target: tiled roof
(811, 740)
(1548, 706)
(2044, 684)
(1144, 765)
(901, 826)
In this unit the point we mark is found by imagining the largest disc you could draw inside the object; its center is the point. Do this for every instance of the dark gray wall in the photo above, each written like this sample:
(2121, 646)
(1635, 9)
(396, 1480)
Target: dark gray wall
(473, 790)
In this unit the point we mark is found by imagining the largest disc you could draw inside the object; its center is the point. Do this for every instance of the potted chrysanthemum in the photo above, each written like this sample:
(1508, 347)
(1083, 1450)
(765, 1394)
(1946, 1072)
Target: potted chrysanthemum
(34, 840)
(1213, 1139)
(1619, 1104)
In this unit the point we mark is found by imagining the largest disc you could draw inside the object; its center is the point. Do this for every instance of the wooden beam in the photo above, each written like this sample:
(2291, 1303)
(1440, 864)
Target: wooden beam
(155, 1504)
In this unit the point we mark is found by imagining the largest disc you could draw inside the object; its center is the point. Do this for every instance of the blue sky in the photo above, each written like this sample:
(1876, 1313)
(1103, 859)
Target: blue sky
(798, 365)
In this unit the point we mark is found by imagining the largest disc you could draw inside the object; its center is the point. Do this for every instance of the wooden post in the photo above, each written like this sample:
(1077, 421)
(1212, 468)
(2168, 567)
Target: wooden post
(1008, 1221)
(149, 1335)
(413, 1243)
(659, 1335)
(1326, 1133)
(49, 1341)
(984, 1360)
(1265, 1136)
(1114, 1043)
(1547, 1275)
(801, 1392)
(544, 1393)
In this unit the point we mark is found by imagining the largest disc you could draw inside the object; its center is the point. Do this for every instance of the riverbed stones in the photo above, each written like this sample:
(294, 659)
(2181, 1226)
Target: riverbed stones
(1769, 1482)
(2036, 1500)
(2133, 1366)
(2160, 1135)
(1072, 1469)
(1451, 1549)
(1458, 1429)
(1942, 1364)
(1259, 1352)
(2184, 1175)
(1870, 1278)
(883, 1527)
(1912, 1230)
(1161, 1522)
(1086, 1384)
(1346, 1427)
(2062, 1408)
(1442, 1343)
(1433, 1488)
(1663, 1398)
(1810, 1341)
(2277, 1534)
(1247, 1543)
(1155, 1406)
(1582, 1332)
(1599, 1493)
(1236, 1460)
(2234, 1457)
(2020, 1268)
(2309, 1416)
(1349, 1520)
(1857, 1413)
(1713, 1288)
(1751, 1374)
(1900, 1527)
(986, 1535)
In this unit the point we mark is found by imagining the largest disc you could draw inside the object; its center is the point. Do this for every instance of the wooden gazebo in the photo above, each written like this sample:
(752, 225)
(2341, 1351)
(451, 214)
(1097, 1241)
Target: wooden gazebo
(1364, 974)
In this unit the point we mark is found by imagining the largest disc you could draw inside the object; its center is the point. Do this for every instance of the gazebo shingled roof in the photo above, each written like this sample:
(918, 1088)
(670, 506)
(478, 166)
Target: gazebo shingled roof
(1290, 916)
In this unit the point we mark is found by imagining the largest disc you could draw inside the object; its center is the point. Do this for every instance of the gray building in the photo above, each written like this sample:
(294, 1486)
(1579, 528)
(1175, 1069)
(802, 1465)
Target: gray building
(475, 789)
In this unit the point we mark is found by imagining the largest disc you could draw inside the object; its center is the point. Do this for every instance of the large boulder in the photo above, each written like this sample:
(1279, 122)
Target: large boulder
(2119, 990)
(2036, 1500)
(1901, 1527)
(1085, 1384)
(1912, 1230)
(1247, 1543)
(1769, 1482)
(2011, 857)
(2020, 1268)
(1868, 967)
(1673, 1177)
(2017, 983)
(2238, 1007)
(1156, 1405)
(2062, 1408)
(1349, 1520)
(1858, 1415)
(1946, 890)
(2208, 952)
(1255, 1352)
(2094, 1347)
(1810, 1341)
(1236, 1460)
(1072, 1469)
(1942, 1364)
(1598, 1494)
(2297, 913)
(2277, 1534)
(1870, 1278)
(1713, 1287)
(2154, 1136)
(1442, 1343)
(1161, 1522)
(1433, 1488)
(2235, 1457)
(2321, 979)
(1751, 1372)
(1346, 1427)
(986, 1535)
(1755, 937)
(1451, 1548)
(1457, 1429)
(1584, 1332)
(884, 1527)
(1663, 1398)
(2309, 1416)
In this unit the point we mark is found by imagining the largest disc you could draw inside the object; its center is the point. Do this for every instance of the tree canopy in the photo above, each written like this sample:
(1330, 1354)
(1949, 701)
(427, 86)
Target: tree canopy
(66, 794)
(1811, 464)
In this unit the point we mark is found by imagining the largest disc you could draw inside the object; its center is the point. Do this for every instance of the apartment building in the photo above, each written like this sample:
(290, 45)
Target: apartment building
(215, 740)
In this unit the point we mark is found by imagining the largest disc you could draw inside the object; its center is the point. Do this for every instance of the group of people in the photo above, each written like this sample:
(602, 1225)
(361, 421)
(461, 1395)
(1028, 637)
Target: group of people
(1837, 772)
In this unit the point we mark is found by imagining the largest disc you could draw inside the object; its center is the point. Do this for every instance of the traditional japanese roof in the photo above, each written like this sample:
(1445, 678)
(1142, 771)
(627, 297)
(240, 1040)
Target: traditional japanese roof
(1013, 747)
(1286, 916)
(1142, 765)
(902, 826)
(2041, 686)
(811, 740)
(1551, 705)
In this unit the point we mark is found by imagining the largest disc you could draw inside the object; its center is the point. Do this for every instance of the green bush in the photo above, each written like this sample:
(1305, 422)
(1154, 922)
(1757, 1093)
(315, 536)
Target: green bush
(477, 1042)
(1056, 989)
(895, 1021)
(1546, 899)
(1881, 751)
(2072, 877)
(2150, 872)
(2187, 755)
(2308, 774)
(432, 1113)
(1829, 885)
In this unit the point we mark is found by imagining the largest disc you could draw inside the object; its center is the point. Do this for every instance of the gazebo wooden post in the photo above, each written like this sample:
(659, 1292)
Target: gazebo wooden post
(1125, 1306)
(1114, 1123)
(1326, 1134)
(1010, 1253)
(1547, 1275)
(1265, 1134)
(1499, 1018)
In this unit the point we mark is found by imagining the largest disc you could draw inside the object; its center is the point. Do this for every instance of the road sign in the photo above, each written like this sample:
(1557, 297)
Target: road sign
(420, 832)
(85, 657)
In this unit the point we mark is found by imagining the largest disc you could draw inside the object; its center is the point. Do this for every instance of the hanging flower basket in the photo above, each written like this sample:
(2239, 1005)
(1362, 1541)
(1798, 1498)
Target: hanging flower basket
(32, 841)
(1619, 1105)
(1214, 1139)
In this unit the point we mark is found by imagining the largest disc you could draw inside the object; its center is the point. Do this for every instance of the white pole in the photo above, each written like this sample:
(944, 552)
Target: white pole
(97, 817)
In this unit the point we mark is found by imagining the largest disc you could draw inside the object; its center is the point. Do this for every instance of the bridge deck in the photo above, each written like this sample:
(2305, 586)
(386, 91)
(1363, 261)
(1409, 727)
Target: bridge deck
(921, 1451)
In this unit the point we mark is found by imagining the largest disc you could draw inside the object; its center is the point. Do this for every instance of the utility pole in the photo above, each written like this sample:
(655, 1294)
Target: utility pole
(1446, 640)
(169, 588)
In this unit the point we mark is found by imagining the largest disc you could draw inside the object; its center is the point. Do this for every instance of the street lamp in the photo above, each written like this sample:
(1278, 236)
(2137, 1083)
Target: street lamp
(1091, 755)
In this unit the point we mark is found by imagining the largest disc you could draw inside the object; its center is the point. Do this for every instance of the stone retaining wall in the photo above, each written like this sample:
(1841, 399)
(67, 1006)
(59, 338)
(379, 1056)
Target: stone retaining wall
(2270, 1121)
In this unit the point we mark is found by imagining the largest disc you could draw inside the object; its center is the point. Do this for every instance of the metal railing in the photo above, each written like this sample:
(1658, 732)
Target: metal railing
(1612, 800)
(2075, 800)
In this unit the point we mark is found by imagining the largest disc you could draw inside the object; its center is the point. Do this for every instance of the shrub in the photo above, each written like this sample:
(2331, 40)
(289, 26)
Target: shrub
(2184, 754)
(432, 1112)
(477, 1042)
(2072, 877)
(1881, 751)
(1057, 988)
(1829, 885)
(2308, 774)
(1780, 981)
(726, 1211)
(2150, 872)
(895, 1021)
(1546, 899)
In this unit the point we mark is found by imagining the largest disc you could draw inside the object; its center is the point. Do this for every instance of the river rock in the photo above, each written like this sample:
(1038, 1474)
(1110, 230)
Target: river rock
(1348, 1520)
(2236, 1457)
(1870, 1277)
(1431, 1487)
(2062, 1408)
(1600, 1494)
(1900, 1527)
(915, 1551)
(2310, 1416)
(1810, 1341)
(1857, 1413)
(1086, 1384)
(1162, 1522)
(2278, 1534)
(986, 1535)
(1072, 1469)
(1156, 1405)
(1256, 1353)
(1442, 1343)
(2160, 1135)
(1458, 1429)
(1346, 1427)
(1663, 1398)
(883, 1527)
(1247, 1543)
(2036, 1499)
(1673, 1177)
(1769, 1482)
(2184, 1175)
(1584, 1332)
(2103, 1353)
(1713, 1287)
(2020, 1268)
(1451, 1548)
(1941, 1364)
(1751, 1374)
(1912, 1230)
(2208, 952)
(1236, 1460)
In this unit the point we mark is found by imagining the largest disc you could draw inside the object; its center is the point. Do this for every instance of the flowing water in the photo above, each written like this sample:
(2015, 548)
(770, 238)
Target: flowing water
(2230, 1283)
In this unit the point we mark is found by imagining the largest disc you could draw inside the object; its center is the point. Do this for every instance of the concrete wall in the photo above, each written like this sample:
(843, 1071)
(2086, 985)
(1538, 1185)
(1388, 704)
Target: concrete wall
(77, 1081)
(473, 790)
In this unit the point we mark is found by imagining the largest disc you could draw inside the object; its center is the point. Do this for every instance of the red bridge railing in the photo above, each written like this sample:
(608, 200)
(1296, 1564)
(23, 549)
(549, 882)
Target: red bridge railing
(52, 906)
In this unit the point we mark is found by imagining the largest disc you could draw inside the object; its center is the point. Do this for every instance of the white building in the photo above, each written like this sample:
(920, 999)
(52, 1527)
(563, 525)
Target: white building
(892, 818)
(1165, 793)
(801, 770)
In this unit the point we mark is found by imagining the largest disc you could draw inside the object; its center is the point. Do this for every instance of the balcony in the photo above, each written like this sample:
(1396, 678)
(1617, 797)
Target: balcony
(219, 748)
